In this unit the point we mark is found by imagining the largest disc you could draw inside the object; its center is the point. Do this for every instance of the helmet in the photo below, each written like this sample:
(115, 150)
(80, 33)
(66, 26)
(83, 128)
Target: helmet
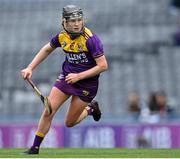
(72, 12)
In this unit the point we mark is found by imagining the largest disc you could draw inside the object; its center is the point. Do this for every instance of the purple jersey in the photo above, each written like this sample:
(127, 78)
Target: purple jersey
(80, 56)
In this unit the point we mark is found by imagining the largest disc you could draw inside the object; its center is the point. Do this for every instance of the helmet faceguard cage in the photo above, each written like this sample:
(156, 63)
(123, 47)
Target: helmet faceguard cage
(71, 12)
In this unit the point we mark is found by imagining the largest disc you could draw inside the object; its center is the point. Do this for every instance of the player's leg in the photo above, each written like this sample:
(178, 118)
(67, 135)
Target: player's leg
(56, 98)
(76, 111)
(79, 110)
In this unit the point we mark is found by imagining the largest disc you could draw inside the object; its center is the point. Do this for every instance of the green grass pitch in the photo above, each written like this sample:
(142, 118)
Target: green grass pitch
(92, 153)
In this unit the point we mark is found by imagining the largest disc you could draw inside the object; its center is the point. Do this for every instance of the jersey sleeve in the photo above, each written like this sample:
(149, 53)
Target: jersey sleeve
(54, 42)
(95, 46)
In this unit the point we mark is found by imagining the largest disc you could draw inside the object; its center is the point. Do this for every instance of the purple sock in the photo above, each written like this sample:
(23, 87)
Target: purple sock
(37, 141)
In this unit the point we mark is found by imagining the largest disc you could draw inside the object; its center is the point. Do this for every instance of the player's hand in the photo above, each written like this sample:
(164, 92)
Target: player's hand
(72, 78)
(26, 73)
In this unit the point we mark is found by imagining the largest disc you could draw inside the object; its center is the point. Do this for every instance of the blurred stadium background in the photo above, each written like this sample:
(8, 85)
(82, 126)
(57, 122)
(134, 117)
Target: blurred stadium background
(138, 42)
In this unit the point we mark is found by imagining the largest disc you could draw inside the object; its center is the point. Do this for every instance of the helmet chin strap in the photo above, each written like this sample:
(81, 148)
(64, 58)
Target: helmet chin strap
(73, 35)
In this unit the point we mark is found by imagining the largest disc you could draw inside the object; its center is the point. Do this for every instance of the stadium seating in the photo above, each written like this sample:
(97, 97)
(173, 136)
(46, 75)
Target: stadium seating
(128, 28)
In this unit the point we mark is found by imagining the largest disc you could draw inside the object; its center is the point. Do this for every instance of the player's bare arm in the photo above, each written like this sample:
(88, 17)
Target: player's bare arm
(41, 55)
(100, 67)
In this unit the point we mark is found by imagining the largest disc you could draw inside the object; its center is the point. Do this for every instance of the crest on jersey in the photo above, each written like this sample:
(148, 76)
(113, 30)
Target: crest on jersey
(80, 47)
(72, 45)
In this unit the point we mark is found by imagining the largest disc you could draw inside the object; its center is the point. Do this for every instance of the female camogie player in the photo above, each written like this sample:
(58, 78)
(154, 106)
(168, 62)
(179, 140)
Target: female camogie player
(85, 60)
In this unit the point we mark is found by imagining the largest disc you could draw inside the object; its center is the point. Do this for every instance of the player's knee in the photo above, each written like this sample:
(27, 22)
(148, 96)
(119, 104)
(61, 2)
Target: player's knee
(69, 123)
(47, 115)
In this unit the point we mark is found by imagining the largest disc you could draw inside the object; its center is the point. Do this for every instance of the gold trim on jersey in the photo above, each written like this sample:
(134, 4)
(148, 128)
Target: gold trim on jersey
(77, 45)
